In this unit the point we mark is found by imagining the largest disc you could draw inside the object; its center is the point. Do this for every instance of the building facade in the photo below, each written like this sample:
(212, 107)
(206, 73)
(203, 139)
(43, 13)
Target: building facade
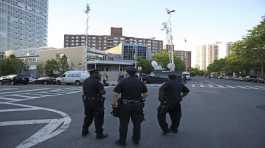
(23, 24)
(185, 56)
(206, 55)
(103, 42)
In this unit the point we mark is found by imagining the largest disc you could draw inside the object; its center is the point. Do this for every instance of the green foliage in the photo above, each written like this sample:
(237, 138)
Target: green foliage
(217, 66)
(145, 64)
(40, 69)
(62, 63)
(163, 59)
(11, 65)
(54, 66)
(51, 67)
(196, 72)
(247, 54)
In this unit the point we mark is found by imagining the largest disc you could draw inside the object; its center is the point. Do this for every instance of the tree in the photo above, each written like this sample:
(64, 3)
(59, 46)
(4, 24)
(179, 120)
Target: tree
(62, 63)
(145, 64)
(11, 65)
(196, 72)
(254, 46)
(41, 69)
(217, 66)
(51, 67)
(163, 59)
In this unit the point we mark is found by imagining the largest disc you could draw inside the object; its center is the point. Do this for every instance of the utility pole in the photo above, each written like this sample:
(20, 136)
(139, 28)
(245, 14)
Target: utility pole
(167, 27)
(86, 33)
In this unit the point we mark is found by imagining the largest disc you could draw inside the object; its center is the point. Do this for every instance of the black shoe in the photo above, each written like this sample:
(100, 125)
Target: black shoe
(136, 142)
(165, 132)
(175, 131)
(85, 133)
(119, 143)
(101, 136)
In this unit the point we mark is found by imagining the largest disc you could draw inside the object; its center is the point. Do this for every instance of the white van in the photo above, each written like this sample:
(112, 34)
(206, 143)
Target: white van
(186, 75)
(73, 77)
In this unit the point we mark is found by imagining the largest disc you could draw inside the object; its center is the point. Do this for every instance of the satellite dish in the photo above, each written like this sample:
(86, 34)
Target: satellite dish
(171, 66)
(154, 64)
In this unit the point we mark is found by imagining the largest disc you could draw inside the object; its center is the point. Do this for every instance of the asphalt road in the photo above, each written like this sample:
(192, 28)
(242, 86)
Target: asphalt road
(216, 114)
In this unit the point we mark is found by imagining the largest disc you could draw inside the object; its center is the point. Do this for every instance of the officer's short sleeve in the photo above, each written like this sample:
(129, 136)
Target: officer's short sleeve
(117, 89)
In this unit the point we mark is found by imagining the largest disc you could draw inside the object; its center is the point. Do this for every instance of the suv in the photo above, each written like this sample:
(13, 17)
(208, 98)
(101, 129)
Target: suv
(15, 79)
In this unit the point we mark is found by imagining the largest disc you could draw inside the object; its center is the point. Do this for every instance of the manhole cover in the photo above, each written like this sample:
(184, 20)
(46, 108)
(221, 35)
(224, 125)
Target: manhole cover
(261, 107)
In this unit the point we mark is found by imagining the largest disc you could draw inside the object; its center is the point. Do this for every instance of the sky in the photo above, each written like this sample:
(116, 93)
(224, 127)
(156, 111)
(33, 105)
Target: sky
(199, 21)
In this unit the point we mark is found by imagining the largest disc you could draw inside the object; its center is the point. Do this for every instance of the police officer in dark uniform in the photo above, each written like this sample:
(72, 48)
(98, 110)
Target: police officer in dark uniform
(170, 96)
(93, 100)
(130, 92)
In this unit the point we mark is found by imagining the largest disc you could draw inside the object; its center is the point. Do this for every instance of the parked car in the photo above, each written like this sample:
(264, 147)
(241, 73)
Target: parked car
(72, 77)
(14, 79)
(260, 80)
(45, 80)
(251, 78)
(1, 79)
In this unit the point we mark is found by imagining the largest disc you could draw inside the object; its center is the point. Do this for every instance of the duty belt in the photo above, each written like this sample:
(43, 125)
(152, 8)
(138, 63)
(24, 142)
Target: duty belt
(126, 101)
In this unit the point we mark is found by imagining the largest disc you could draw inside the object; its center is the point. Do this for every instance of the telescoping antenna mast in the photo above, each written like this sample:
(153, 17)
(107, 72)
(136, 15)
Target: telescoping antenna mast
(86, 33)
(167, 27)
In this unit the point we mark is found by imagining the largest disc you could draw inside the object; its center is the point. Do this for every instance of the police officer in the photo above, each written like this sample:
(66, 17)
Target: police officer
(93, 100)
(130, 92)
(170, 96)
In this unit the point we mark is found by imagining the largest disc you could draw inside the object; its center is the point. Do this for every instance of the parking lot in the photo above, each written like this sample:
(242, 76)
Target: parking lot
(216, 114)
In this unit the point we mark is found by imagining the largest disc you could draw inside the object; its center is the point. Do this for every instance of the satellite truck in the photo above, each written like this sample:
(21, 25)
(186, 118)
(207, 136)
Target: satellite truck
(159, 75)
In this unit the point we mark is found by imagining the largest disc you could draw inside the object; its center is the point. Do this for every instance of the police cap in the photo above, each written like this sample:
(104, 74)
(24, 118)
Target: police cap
(131, 70)
(172, 76)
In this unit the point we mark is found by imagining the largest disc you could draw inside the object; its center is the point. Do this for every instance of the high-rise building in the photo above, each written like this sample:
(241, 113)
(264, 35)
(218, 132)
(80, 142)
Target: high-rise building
(206, 55)
(103, 42)
(185, 56)
(23, 24)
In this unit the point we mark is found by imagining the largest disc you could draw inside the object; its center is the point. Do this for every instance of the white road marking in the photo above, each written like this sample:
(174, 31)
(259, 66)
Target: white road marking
(53, 128)
(17, 109)
(9, 99)
(201, 85)
(193, 85)
(6, 89)
(23, 96)
(24, 122)
(21, 91)
(211, 86)
(219, 86)
(244, 87)
(229, 86)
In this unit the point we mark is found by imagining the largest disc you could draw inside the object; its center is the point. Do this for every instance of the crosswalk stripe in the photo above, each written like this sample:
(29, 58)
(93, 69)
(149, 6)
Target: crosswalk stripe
(220, 86)
(229, 86)
(210, 85)
(201, 85)
(7, 89)
(24, 96)
(21, 91)
(193, 85)
(242, 87)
